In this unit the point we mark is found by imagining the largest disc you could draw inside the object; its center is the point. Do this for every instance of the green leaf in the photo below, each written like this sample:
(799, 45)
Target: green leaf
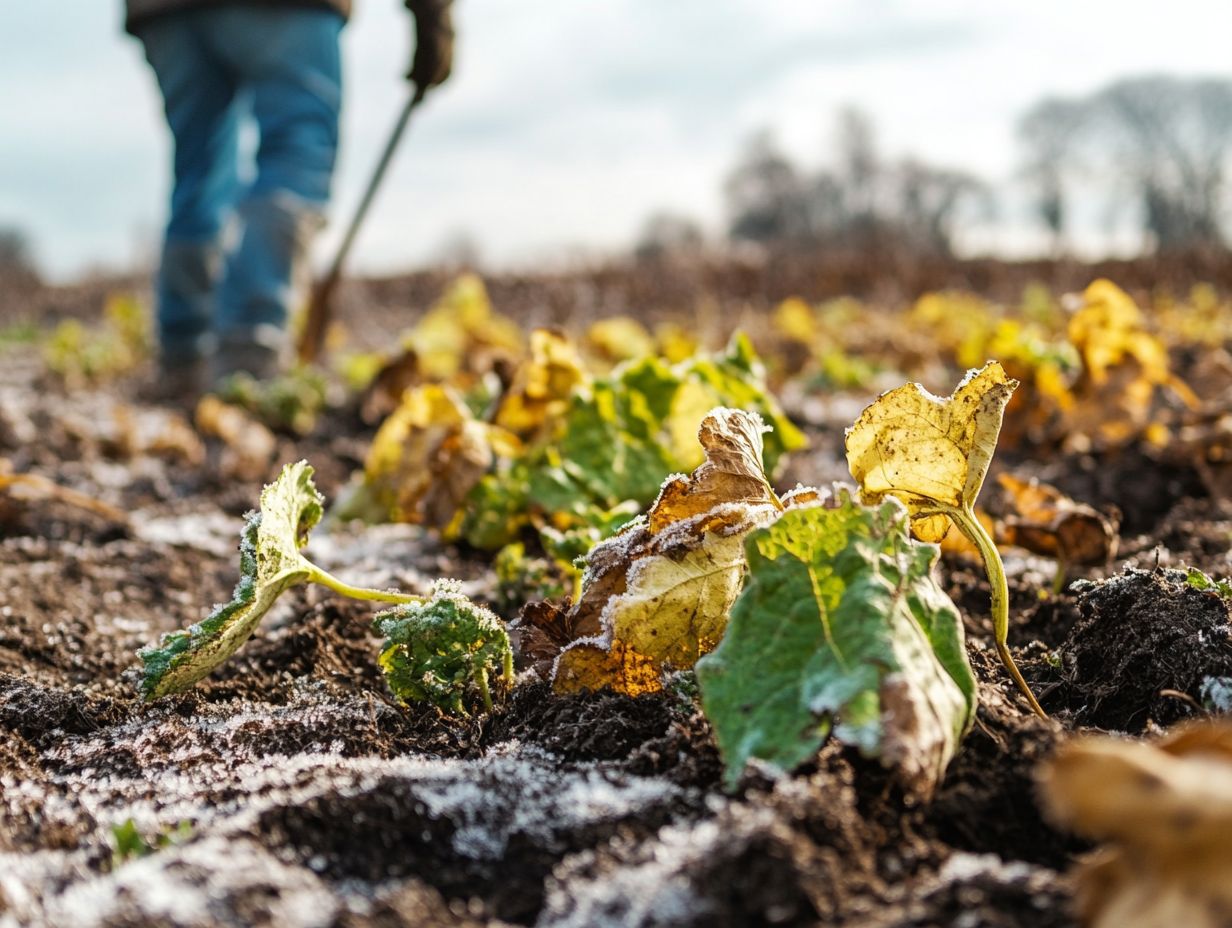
(738, 380)
(1200, 581)
(438, 651)
(612, 445)
(270, 563)
(840, 628)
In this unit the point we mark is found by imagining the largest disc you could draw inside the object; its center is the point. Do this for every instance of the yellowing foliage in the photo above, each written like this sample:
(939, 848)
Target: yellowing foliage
(656, 595)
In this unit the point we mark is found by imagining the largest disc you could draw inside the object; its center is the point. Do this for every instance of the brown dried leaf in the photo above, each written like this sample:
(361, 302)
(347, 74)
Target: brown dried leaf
(1165, 812)
(656, 595)
(1043, 520)
(250, 446)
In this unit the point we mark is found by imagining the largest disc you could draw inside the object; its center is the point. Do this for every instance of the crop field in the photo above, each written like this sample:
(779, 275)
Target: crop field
(866, 612)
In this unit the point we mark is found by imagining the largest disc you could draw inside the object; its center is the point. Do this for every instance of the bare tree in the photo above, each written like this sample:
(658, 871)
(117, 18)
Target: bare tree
(765, 196)
(1047, 134)
(929, 202)
(1163, 142)
(668, 234)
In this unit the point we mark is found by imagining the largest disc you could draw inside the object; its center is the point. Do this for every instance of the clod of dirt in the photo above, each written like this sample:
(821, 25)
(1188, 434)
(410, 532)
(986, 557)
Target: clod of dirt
(1143, 646)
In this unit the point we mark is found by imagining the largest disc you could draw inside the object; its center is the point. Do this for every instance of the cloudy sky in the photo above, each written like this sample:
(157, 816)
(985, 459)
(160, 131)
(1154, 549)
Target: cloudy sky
(568, 121)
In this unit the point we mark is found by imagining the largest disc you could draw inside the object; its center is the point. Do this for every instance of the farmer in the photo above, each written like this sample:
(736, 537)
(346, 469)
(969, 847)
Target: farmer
(233, 250)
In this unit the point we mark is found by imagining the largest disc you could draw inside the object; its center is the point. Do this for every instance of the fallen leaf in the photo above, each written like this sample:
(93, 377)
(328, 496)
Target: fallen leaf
(1163, 812)
(1043, 520)
(249, 446)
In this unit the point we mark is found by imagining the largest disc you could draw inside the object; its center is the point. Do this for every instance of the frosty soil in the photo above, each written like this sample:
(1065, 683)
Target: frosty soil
(314, 800)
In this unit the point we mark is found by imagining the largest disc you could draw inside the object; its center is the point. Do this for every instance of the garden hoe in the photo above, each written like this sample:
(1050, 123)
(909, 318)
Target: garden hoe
(317, 317)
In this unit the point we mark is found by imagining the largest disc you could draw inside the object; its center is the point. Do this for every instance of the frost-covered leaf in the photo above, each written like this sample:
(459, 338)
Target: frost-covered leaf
(656, 595)
(270, 563)
(440, 650)
(1163, 812)
(840, 628)
(930, 453)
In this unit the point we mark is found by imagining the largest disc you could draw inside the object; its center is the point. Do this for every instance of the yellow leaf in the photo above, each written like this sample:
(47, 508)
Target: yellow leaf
(656, 596)
(619, 338)
(1165, 813)
(541, 390)
(930, 453)
(794, 319)
(460, 328)
(428, 455)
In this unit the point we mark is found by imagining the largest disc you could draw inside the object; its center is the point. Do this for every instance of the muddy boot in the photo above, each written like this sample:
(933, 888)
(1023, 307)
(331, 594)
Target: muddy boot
(187, 275)
(255, 351)
(176, 382)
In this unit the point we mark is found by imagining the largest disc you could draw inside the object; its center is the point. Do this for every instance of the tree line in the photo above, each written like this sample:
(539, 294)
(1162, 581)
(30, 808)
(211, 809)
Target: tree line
(1154, 152)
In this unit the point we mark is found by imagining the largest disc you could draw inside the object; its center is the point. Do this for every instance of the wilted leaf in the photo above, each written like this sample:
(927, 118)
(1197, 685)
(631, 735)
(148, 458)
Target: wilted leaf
(426, 457)
(1124, 366)
(1045, 521)
(462, 333)
(439, 650)
(36, 486)
(249, 446)
(542, 386)
(1164, 812)
(656, 595)
(932, 454)
(619, 338)
(840, 628)
(270, 563)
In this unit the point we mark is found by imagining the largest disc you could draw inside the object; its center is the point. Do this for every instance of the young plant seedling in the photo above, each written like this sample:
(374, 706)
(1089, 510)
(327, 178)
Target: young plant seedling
(932, 454)
(270, 563)
(435, 651)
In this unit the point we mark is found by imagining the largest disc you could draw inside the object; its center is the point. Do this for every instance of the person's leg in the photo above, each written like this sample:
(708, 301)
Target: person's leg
(291, 65)
(199, 99)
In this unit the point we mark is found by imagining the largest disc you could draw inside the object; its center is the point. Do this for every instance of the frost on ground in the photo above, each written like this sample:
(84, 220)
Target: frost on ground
(280, 839)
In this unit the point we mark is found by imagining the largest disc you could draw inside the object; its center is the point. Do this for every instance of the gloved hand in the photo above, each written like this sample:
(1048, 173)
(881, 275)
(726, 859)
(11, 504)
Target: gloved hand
(433, 59)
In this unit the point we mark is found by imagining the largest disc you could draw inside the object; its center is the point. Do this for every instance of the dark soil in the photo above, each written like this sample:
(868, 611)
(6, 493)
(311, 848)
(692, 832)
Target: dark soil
(313, 799)
(1142, 649)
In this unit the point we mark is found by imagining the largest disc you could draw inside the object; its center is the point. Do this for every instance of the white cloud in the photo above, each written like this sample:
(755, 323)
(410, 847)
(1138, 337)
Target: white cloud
(568, 122)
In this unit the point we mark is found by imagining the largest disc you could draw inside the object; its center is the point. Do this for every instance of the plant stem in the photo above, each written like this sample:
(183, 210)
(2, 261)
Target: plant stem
(507, 667)
(970, 526)
(359, 592)
(481, 680)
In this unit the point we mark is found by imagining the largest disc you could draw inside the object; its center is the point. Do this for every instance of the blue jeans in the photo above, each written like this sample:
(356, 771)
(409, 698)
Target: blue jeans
(217, 67)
